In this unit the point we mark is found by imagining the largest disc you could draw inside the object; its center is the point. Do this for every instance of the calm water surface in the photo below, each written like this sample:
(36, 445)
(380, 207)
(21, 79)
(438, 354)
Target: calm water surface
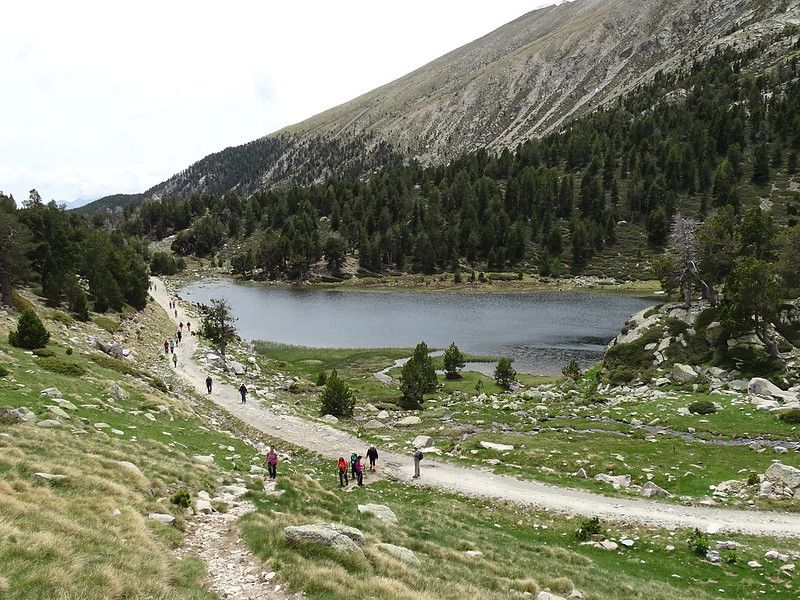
(542, 331)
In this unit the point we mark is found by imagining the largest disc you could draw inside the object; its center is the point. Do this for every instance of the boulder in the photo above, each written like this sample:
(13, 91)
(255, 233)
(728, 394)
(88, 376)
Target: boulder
(129, 466)
(682, 373)
(322, 535)
(235, 367)
(9, 415)
(784, 474)
(422, 441)
(49, 477)
(373, 424)
(117, 393)
(382, 415)
(650, 489)
(205, 459)
(51, 393)
(113, 349)
(497, 447)
(763, 388)
(57, 411)
(549, 596)
(49, 424)
(351, 532)
(409, 421)
(713, 332)
(203, 506)
(330, 419)
(379, 511)
(618, 481)
(399, 552)
(163, 518)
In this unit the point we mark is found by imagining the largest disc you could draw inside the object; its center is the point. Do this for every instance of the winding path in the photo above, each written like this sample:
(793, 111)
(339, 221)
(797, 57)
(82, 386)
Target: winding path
(471, 481)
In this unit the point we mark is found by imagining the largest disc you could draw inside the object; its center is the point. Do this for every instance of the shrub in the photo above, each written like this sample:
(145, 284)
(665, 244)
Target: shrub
(728, 556)
(702, 407)
(322, 378)
(337, 397)
(69, 351)
(572, 370)
(504, 373)
(620, 376)
(753, 479)
(181, 498)
(62, 367)
(588, 528)
(115, 364)
(108, 324)
(61, 317)
(698, 543)
(791, 416)
(43, 352)
(453, 362)
(3, 371)
(30, 332)
(676, 326)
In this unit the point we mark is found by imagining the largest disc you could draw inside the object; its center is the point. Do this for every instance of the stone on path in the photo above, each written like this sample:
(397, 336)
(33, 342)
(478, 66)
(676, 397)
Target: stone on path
(399, 552)
(379, 511)
(650, 489)
(163, 518)
(493, 446)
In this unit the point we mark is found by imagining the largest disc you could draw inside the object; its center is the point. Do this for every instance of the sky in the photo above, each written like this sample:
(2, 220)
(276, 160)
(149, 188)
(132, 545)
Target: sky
(107, 97)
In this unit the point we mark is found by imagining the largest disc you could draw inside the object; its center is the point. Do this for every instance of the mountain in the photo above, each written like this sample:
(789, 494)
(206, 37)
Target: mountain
(523, 80)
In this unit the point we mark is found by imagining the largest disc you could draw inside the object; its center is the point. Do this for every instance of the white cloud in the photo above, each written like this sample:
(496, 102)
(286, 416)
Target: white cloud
(101, 97)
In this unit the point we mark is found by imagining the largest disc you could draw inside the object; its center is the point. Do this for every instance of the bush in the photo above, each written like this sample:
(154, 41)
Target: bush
(69, 351)
(337, 397)
(453, 362)
(181, 498)
(728, 556)
(588, 528)
(698, 543)
(322, 378)
(62, 367)
(108, 324)
(115, 364)
(791, 416)
(163, 263)
(702, 407)
(621, 376)
(43, 352)
(3, 371)
(753, 479)
(504, 373)
(572, 370)
(676, 326)
(30, 332)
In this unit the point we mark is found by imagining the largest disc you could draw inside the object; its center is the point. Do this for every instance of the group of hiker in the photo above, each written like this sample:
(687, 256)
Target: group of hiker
(169, 345)
(357, 466)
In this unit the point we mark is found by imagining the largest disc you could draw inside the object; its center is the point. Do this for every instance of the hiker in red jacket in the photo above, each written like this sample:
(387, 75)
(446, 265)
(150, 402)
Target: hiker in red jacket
(343, 481)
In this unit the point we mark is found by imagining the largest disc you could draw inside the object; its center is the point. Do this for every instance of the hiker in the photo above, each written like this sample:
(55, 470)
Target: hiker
(208, 383)
(272, 463)
(171, 347)
(188, 325)
(175, 360)
(359, 471)
(343, 481)
(179, 335)
(417, 457)
(353, 459)
(176, 313)
(166, 347)
(243, 392)
(180, 326)
(372, 455)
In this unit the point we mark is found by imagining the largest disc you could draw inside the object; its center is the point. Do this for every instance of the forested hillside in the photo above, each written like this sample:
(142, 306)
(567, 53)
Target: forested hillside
(597, 197)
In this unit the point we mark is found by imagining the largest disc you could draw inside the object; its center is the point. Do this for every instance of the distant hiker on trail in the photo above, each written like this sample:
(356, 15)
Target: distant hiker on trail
(175, 360)
(171, 347)
(243, 392)
(272, 463)
(166, 347)
(180, 326)
(188, 325)
(417, 457)
(372, 455)
(208, 383)
(179, 335)
(176, 313)
(343, 481)
(359, 471)
(353, 459)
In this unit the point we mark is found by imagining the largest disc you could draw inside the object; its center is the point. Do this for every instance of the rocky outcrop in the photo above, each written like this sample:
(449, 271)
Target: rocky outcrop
(400, 552)
(379, 511)
(339, 538)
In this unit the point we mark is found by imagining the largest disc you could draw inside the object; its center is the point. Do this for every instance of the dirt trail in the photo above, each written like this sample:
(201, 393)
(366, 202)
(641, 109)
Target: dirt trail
(472, 481)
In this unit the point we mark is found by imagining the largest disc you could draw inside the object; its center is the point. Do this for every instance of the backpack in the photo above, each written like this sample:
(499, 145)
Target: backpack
(419, 455)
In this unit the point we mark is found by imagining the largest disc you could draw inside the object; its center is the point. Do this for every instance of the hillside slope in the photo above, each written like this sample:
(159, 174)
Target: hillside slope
(525, 79)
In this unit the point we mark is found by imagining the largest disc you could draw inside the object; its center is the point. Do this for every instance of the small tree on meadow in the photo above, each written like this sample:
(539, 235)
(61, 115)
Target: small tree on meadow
(504, 373)
(337, 397)
(30, 333)
(218, 325)
(453, 362)
(417, 378)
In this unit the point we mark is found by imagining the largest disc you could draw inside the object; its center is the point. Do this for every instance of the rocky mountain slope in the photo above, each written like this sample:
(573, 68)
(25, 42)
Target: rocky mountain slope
(525, 79)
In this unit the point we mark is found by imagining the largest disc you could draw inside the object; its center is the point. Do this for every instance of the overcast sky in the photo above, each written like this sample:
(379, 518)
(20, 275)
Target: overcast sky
(105, 97)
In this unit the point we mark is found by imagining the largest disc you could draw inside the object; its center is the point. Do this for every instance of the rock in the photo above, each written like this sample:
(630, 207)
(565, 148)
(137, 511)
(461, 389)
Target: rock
(351, 532)
(401, 553)
(49, 477)
(422, 441)
(775, 555)
(759, 386)
(65, 404)
(322, 535)
(203, 506)
(49, 424)
(765, 489)
(379, 511)
(712, 556)
(754, 564)
(9, 415)
(330, 419)
(618, 481)
(784, 474)
(58, 411)
(382, 415)
(236, 367)
(102, 425)
(549, 596)
(582, 474)
(650, 489)
(207, 459)
(627, 542)
(608, 545)
(163, 518)
(682, 373)
(493, 446)
(51, 393)
(129, 466)
(373, 424)
(117, 393)
(713, 332)
(473, 553)
(409, 421)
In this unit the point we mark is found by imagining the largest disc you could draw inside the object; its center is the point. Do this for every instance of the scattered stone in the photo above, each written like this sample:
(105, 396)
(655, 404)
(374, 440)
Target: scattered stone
(49, 477)
(9, 414)
(117, 393)
(775, 555)
(617, 481)
(497, 447)
(422, 441)
(754, 564)
(322, 535)
(51, 393)
(49, 424)
(130, 467)
(763, 388)
(549, 596)
(473, 553)
(712, 556)
(58, 411)
(373, 424)
(608, 545)
(330, 419)
(401, 553)
(784, 474)
(205, 459)
(163, 518)
(379, 511)
(682, 373)
(65, 404)
(382, 415)
(650, 489)
(409, 421)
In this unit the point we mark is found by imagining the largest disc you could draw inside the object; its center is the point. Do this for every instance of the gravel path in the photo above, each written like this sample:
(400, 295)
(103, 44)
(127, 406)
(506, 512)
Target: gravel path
(472, 481)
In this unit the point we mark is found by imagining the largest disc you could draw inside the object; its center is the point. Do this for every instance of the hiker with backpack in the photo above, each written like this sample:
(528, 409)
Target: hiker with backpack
(171, 347)
(418, 456)
(166, 347)
(209, 382)
(179, 335)
(175, 360)
(272, 463)
(343, 481)
(372, 455)
(359, 471)
(353, 459)
(243, 392)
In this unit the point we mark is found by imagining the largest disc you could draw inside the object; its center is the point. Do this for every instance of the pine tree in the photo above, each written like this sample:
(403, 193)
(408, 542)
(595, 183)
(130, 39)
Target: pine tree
(30, 333)
(504, 373)
(453, 362)
(337, 397)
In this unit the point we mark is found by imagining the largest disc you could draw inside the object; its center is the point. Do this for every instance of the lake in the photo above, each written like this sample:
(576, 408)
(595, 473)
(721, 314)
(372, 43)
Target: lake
(542, 331)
